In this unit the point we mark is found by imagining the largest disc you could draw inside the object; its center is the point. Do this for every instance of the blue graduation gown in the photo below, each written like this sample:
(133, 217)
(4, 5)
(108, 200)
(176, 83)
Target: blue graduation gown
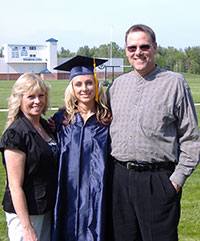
(80, 204)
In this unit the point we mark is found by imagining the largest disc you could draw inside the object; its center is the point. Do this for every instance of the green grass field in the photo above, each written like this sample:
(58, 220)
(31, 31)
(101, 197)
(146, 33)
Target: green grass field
(189, 227)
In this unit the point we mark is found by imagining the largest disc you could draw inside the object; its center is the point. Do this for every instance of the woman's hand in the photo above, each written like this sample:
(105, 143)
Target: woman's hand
(51, 123)
(15, 163)
(29, 234)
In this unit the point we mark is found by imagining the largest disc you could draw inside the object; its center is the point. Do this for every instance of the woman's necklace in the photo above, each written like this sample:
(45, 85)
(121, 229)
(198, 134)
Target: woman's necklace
(38, 128)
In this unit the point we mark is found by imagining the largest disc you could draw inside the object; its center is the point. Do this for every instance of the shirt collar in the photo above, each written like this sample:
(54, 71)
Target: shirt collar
(151, 75)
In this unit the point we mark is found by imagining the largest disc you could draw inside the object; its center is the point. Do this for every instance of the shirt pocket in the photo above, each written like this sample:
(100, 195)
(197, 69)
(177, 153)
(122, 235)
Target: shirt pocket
(156, 119)
(38, 192)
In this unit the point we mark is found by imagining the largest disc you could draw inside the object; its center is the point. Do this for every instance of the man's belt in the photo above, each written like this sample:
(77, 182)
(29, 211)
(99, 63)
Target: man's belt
(138, 166)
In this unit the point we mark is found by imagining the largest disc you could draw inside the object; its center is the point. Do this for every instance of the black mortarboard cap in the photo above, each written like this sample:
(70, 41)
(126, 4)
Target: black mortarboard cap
(80, 65)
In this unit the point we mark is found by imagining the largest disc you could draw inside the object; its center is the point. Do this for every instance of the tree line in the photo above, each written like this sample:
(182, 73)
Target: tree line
(186, 61)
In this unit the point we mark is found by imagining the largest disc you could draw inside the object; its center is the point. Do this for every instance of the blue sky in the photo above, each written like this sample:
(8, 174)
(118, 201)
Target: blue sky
(75, 23)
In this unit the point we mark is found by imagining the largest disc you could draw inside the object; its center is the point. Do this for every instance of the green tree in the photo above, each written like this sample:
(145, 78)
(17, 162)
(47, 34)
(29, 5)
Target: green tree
(193, 56)
(171, 58)
(161, 57)
(180, 58)
(93, 52)
(109, 50)
(1, 52)
(166, 58)
(116, 50)
(85, 51)
(103, 51)
(63, 53)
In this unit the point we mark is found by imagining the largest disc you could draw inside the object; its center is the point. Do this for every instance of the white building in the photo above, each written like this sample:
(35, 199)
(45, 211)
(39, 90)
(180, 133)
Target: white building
(42, 59)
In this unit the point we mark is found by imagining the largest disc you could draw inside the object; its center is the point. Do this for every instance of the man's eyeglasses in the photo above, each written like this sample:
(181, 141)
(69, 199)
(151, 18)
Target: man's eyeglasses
(133, 48)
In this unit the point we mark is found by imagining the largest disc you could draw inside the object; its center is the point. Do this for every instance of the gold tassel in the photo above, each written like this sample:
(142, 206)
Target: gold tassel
(96, 81)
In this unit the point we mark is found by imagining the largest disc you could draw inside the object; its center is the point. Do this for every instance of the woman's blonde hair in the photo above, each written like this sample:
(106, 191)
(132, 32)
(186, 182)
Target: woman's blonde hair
(71, 106)
(30, 83)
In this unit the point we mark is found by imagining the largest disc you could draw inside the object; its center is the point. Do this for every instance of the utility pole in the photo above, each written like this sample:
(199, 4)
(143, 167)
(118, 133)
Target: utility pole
(111, 45)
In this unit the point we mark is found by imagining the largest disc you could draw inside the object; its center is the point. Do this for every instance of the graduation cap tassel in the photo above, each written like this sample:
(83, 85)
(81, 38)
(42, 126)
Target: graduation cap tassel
(96, 81)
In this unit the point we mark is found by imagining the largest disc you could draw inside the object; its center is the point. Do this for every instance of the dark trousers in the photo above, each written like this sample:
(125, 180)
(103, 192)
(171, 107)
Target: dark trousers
(145, 204)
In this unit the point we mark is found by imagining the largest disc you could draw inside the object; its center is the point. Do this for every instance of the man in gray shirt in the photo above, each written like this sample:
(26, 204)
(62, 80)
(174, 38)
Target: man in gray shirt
(155, 143)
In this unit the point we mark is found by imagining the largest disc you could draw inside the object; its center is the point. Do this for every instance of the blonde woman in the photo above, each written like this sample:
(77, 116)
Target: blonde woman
(29, 156)
(82, 133)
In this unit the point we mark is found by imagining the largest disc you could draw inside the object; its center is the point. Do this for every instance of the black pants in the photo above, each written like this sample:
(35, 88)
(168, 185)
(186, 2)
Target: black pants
(145, 204)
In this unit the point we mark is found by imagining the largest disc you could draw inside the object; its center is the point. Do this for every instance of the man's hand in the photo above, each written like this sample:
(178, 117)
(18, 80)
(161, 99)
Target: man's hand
(177, 187)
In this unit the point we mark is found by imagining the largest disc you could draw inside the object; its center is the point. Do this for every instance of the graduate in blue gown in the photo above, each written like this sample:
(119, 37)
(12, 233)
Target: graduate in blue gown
(82, 133)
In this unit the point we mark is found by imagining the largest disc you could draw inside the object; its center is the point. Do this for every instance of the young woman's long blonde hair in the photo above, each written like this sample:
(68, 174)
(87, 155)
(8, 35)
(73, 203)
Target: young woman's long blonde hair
(30, 83)
(103, 113)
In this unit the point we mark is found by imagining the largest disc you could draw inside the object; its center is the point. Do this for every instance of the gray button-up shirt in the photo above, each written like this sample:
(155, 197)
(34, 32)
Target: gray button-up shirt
(154, 120)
